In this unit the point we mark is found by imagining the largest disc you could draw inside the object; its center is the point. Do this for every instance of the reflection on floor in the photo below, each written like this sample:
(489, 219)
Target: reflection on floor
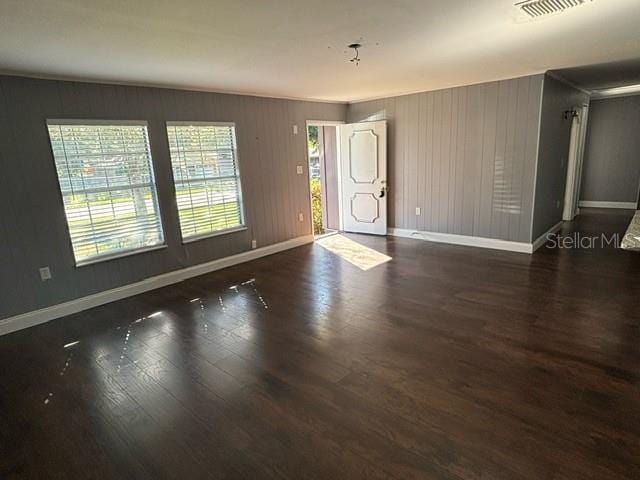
(353, 252)
(444, 362)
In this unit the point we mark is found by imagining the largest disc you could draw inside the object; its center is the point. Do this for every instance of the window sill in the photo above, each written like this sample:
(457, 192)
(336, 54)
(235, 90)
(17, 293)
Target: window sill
(128, 253)
(217, 233)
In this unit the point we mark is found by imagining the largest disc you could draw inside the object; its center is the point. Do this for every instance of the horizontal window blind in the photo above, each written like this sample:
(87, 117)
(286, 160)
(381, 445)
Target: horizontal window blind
(108, 188)
(206, 176)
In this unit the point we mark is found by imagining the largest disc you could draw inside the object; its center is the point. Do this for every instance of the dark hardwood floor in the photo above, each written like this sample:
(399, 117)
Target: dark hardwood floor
(444, 363)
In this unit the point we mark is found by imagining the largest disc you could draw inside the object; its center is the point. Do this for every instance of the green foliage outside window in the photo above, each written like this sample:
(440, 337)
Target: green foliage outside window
(316, 206)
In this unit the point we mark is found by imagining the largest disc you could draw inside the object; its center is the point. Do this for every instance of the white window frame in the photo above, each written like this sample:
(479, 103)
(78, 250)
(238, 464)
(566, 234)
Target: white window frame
(124, 253)
(238, 177)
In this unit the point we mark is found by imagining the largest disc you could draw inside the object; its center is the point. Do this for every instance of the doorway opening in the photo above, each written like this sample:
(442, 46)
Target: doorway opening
(324, 173)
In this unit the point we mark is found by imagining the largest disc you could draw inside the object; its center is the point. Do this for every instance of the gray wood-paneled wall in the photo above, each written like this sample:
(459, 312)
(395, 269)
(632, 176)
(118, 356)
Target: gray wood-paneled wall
(32, 224)
(466, 156)
(555, 139)
(611, 171)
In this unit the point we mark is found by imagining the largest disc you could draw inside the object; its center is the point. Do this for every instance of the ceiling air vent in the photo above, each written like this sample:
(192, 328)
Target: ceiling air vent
(542, 8)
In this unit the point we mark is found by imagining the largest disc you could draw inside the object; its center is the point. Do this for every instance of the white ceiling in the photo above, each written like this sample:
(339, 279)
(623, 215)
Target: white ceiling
(296, 48)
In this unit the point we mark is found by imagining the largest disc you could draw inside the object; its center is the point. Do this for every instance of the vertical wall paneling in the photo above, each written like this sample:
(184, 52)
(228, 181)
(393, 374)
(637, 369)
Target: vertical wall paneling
(436, 165)
(451, 196)
(428, 164)
(32, 226)
(460, 170)
(533, 122)
(466, 156)
(420, 159)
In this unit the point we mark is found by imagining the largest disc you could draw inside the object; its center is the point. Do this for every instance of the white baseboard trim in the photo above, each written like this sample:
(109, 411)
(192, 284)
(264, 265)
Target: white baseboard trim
(36, 317)
(542, 239)
(594, 204)
(466, 240)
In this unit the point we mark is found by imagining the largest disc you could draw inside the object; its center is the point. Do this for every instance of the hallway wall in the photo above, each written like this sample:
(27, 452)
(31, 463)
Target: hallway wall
(611, 170)
(553, 152)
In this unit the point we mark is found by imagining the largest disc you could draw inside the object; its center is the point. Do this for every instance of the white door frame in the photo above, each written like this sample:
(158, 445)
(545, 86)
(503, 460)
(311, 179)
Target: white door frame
(575, 162)
(638, 198)
(584, 112)
(323, 123)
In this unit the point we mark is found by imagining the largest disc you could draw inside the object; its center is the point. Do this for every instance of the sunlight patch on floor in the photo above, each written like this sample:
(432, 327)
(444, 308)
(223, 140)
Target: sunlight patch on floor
(353, 252)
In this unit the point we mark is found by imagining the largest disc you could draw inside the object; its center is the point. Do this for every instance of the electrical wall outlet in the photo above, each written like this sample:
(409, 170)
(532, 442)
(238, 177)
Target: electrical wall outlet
(254, 244)
(301, 217)
(45, 274)
(418, 211)
(295, 129)
(299, 170)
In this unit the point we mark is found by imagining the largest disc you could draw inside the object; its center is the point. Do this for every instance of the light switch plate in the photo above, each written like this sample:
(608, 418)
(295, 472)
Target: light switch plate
(45, 274)
(301, 217)
(417, 210)
(295, 129)
(254, 244)
(299, 170)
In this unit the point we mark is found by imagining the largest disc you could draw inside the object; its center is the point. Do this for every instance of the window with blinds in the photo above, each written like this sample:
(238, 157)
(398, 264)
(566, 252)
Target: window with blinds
(108, 188)
(207, 179)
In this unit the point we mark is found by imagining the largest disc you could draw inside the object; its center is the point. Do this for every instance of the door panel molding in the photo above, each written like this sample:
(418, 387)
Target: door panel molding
(373, 150)
(372, 206)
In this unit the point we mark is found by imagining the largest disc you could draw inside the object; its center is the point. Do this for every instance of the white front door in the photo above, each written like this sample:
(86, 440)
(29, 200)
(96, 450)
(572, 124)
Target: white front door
(363, 159)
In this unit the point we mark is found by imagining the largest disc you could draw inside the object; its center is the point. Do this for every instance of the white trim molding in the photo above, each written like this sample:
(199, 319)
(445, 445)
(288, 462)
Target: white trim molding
(624, 91)
(325, 123)
(561, 79)
(164, 86)
(598, 204)
(479, 242)
(542, 239)
(36, 317)
(466, 240)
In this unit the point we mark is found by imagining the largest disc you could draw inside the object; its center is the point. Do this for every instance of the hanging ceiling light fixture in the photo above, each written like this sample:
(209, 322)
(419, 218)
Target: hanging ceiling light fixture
(356, 57)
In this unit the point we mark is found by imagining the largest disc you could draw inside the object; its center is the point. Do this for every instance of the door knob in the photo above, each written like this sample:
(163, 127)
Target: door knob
(383, 191)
